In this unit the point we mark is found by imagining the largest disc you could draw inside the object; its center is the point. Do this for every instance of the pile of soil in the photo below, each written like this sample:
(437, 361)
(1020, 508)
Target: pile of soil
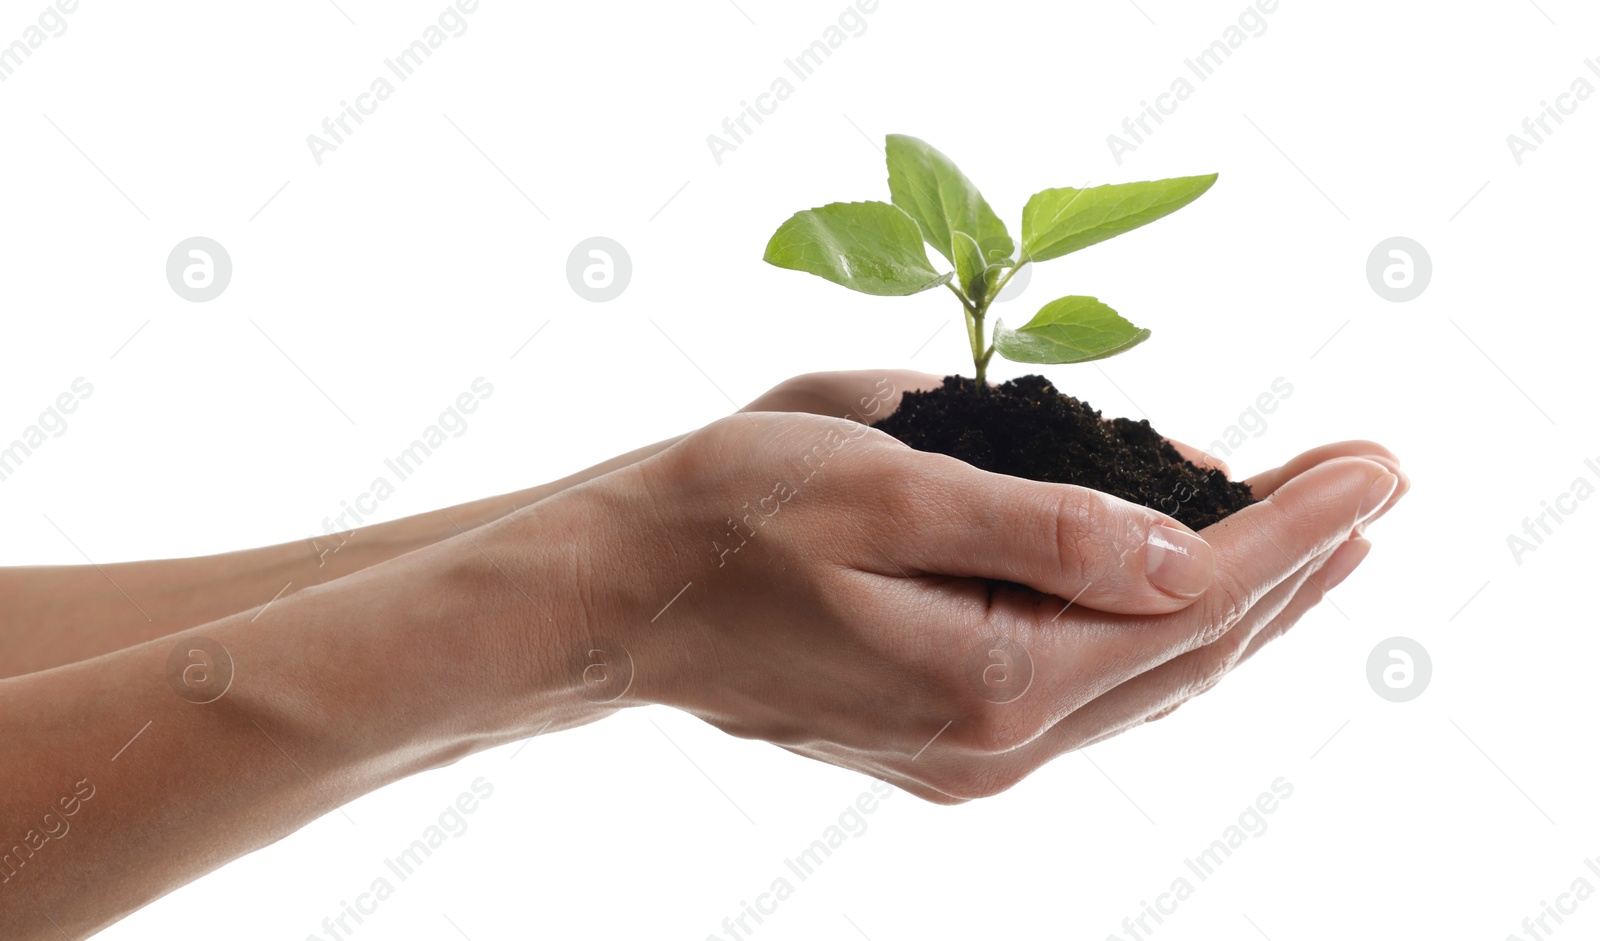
(1026, 428)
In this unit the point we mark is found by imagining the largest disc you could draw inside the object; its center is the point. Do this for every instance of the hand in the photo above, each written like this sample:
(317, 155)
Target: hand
(844, 393)
(814, 583)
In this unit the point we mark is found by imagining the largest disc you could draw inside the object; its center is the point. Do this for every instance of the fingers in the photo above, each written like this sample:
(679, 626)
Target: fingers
(1160, 690)
(1344, 561)
(949, 518)
(1256, 549)
(1340, 563)
(1150, 696)
(865, 395)
(1264, 484)
(1337, 569)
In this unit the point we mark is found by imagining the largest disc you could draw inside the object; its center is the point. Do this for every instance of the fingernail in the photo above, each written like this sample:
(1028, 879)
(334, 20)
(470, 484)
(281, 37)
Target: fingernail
(1392, 466)
(1377, 495)
(1177, 562)
(1344, 561)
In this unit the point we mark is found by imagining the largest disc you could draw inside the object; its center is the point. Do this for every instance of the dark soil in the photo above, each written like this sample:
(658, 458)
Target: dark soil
(1026, 428)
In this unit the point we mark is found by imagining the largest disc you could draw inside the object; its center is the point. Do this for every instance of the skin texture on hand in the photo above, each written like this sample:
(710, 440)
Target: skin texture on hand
(784, 574)
(833, 592)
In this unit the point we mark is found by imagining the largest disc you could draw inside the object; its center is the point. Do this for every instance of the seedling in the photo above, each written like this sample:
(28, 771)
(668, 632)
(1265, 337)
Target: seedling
(876, 248)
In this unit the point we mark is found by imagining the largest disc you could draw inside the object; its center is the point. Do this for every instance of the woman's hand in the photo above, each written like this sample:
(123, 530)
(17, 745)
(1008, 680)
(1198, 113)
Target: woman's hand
(792, 577)
(814, 583)
(844, 393)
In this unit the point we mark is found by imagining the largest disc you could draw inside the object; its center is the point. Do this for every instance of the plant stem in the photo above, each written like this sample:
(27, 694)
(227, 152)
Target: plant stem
(975, 316)
(980, 361)
(966, 313)
(960, 296)
(973, 313)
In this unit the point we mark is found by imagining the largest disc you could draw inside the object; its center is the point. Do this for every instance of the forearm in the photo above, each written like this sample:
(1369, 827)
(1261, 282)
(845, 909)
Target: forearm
(53, 615)
(332, 693)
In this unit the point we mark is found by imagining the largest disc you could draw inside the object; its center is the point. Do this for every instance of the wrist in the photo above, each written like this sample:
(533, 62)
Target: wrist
(611, 630)
(515, 589)
(441, 652)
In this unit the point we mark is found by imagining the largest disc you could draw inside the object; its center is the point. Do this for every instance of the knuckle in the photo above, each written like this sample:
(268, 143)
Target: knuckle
(1081, 520)
(718, 448)
(1206, 672)
(808, 384)
(897, 490)
(882, 476)
(1226, 603)
(1282, 626)
(834, 446)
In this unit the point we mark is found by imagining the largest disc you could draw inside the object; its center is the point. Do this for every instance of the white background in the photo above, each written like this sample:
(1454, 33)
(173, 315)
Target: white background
(411, 261)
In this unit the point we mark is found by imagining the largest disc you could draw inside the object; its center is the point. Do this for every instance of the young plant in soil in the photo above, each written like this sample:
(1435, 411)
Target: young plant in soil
(1023, 427)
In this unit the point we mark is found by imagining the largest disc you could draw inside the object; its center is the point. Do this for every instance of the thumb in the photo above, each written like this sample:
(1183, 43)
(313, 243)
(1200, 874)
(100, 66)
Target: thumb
(1084, 546)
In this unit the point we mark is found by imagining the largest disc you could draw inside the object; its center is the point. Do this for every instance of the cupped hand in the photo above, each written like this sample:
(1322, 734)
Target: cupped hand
(814, 583)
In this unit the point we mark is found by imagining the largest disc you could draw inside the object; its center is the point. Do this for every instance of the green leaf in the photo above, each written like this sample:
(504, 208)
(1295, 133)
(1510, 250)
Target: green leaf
(1068, 330)
(971, 272)
(933, 191)
(870, 247)
(1058, 221)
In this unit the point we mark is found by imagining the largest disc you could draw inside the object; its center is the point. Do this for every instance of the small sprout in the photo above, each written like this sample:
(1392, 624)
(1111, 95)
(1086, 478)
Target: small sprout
(876, 248)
